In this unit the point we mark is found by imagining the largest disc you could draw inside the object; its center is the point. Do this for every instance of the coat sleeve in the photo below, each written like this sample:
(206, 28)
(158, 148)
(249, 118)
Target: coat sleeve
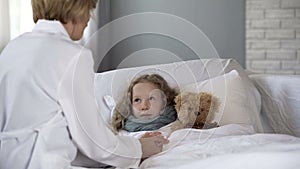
(87, 127)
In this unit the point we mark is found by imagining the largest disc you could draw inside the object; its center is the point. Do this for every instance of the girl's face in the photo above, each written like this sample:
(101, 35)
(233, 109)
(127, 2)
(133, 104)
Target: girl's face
(146, 101)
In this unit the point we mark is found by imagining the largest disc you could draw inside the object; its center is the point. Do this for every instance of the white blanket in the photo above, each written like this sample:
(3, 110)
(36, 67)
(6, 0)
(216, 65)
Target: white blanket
(230, 146)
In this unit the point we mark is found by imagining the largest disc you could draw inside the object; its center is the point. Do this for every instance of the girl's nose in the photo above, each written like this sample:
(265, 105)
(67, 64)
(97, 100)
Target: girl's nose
(145, 105)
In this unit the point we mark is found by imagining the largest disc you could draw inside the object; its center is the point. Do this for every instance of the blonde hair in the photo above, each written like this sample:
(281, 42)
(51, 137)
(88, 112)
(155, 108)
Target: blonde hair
(124, 109)
(62, 10)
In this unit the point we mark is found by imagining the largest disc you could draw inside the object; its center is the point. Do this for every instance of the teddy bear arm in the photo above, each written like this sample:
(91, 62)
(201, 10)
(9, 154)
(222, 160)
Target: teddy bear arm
(210, 125)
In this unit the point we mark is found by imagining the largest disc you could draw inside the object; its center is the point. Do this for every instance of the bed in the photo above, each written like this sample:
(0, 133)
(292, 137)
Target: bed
(259, 115)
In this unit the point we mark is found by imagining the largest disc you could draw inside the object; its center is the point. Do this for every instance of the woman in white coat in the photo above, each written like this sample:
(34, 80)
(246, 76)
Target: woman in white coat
(47, 106)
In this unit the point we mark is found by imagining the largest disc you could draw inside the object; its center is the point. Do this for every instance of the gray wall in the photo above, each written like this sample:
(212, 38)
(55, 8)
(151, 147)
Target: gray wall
(222, 21)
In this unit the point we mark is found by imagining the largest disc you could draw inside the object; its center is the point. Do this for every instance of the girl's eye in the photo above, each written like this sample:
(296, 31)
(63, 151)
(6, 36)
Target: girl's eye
(137, 100)
(152, 98)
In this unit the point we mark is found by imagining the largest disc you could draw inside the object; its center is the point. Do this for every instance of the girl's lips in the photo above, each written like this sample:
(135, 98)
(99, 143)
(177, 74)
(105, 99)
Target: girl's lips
(146, 115)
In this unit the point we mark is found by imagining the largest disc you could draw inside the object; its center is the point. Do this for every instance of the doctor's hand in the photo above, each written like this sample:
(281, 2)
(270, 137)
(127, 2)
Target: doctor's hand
(151, 134)
(152, 143)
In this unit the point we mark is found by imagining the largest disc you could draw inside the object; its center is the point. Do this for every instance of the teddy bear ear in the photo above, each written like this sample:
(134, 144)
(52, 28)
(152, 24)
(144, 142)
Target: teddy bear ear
(177, 102)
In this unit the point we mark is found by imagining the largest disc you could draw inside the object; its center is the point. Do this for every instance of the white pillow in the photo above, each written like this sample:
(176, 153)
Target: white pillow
(178, 74)
(280, 101)
(238, 99)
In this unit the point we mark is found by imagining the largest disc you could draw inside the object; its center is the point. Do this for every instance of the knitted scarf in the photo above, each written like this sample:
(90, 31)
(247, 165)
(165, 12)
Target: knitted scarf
(133, 124)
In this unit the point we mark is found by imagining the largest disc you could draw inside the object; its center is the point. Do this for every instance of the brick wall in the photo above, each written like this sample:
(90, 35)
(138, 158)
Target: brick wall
(273, 36)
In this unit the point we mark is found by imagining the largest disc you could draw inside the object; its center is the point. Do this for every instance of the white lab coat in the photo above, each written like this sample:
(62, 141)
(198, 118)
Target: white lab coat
(47, 105)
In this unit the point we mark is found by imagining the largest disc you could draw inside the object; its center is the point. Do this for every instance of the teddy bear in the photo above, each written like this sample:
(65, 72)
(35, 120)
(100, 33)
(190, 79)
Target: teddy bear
(195, 110)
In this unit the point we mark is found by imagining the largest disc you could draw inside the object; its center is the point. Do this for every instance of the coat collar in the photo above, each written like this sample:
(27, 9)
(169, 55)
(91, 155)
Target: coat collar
(50, 26)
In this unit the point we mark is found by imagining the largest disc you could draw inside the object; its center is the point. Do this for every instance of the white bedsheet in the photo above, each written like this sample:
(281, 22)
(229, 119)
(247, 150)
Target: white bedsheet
(230, 146)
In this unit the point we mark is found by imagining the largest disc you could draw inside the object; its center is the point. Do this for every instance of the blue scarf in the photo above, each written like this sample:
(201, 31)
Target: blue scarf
(133, 124)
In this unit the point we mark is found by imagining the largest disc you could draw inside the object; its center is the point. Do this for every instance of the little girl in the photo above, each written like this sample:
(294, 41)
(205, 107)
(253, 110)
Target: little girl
(148, 105)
